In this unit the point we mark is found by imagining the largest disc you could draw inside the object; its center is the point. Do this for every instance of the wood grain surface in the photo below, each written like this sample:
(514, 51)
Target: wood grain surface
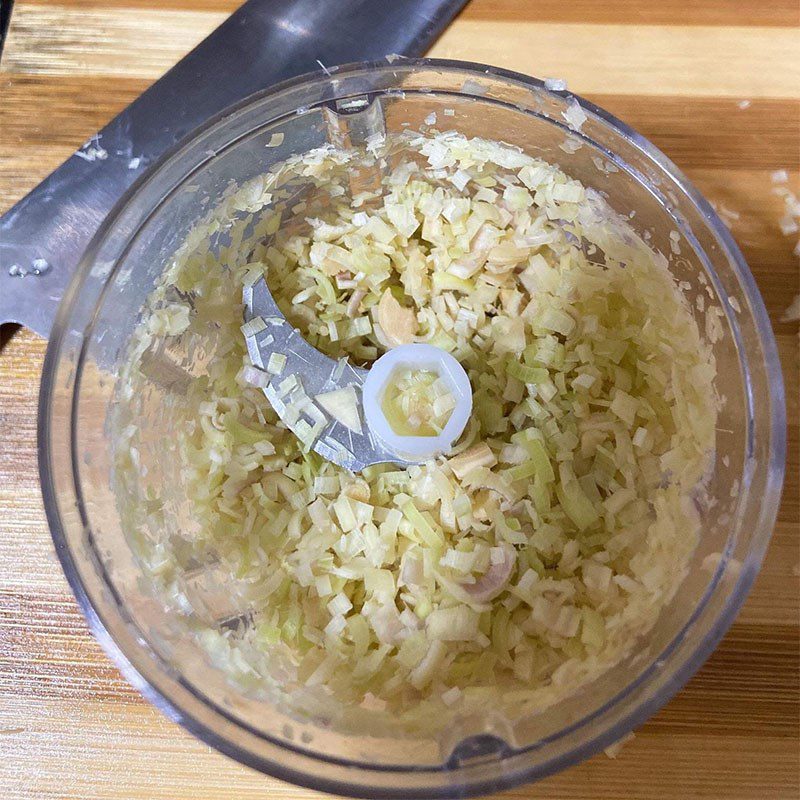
(714, 83)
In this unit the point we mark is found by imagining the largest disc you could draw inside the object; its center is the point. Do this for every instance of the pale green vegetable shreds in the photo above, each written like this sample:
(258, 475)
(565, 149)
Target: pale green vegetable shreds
(417, 402)
(519, 567)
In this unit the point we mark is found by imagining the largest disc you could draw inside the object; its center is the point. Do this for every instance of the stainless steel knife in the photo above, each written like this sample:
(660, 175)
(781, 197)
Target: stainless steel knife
(44, 235)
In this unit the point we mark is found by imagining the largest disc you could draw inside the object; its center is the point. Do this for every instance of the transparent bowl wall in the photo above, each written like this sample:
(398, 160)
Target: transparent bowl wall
(466, 756)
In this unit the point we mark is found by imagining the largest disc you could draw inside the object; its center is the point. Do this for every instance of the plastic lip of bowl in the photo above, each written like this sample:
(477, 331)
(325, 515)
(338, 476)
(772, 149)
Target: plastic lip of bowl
(144, 669)
(425, 357)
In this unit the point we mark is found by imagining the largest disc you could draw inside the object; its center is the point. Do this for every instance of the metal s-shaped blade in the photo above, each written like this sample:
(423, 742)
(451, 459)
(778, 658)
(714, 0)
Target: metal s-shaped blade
(353, 431)
(43, 237)
(293, 376)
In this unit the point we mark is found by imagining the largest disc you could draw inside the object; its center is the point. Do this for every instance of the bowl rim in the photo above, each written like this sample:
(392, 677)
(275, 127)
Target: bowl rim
(361, 788)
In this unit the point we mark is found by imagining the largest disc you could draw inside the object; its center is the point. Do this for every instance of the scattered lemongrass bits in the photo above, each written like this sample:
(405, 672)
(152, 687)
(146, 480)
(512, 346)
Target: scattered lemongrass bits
(514, 571)
(417, 402)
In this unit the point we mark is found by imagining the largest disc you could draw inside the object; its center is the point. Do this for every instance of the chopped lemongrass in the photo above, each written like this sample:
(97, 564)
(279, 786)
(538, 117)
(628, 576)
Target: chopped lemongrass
(456, 624)
(453, 694)
(276, 363)
(255, 376)
(287, 385)
(416, 403)
(253, 326)
(340, 604)
(358, 327)
(423, 526)
(342, 405)
(574, 115)
(555, 84)
(624, 406)
(509, 573)
(458, 560)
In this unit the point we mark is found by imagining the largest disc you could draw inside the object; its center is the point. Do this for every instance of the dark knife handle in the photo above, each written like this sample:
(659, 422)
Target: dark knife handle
(43, 237)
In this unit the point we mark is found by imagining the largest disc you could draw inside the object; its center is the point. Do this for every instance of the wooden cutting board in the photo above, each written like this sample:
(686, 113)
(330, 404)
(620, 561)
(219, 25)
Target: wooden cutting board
(714, 83)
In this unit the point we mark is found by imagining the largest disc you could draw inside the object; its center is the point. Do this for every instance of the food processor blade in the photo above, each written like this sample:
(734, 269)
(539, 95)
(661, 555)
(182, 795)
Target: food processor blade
(302, 383)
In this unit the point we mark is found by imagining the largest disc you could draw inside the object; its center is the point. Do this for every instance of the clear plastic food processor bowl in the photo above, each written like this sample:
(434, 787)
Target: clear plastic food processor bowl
(464, 755)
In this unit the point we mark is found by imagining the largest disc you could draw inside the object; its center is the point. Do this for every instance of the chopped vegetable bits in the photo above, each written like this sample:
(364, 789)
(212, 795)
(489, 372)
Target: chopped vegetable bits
(417, 402)
(515, 568)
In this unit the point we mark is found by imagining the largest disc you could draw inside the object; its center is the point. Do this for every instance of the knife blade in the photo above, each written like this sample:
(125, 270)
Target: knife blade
(44, 235)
